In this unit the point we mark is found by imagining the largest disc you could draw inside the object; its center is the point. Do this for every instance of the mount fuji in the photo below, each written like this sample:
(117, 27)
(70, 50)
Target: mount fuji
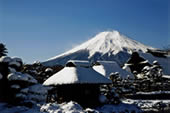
(108, 46)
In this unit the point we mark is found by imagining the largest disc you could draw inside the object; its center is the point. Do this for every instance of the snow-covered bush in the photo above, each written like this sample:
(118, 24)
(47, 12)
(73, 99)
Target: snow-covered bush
(127, 68)
(109, 95)
(18, 87)
(5, 59)
(36, 93)
(150, 78)
(11, 70)
(115, 77)
(4, 86)
(28, 89)
(153, 72)
(14, 62)
(40, 72)
(18, 76)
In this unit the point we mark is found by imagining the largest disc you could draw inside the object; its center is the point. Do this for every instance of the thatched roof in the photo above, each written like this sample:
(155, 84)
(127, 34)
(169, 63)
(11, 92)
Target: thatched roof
(76, 75)
(78, 63)
(108, 67)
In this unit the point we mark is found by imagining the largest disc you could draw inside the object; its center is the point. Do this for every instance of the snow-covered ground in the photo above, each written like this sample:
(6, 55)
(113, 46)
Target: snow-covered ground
(5, 108)
(148, 105)
(128, 105)
(70, 107)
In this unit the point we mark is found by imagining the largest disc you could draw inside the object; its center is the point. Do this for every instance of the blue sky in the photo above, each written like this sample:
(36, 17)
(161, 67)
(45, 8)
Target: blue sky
(41, 29)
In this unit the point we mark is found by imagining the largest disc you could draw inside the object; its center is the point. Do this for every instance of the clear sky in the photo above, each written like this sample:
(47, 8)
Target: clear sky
(41, 29)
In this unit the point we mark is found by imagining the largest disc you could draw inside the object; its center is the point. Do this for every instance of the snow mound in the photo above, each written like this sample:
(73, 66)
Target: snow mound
(51, 108)
(70, 107)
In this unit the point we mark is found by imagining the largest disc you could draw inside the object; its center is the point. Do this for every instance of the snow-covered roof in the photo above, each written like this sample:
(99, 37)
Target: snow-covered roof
(164, 62)
(108, 67)
(79, 63)
(76, 75)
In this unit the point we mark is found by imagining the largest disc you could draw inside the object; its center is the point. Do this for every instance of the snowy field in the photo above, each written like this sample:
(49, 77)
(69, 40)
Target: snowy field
(128, 105)
(70, 107)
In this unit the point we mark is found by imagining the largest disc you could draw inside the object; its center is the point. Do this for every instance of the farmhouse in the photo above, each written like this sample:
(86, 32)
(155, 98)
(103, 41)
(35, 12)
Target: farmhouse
(107, 67)
(77, 81)
(137, 63)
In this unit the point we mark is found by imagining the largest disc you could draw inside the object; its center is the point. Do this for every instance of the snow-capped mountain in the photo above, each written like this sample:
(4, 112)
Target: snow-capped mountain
(108, 45)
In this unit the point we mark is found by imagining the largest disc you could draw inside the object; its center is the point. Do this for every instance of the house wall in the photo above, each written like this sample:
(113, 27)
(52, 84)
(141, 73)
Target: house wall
(86, 95)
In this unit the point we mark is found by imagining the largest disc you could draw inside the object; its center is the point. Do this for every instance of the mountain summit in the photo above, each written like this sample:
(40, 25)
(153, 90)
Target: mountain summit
(108, 45)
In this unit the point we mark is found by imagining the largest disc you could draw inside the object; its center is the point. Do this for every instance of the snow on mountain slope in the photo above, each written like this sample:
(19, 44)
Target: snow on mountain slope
(108, 45)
